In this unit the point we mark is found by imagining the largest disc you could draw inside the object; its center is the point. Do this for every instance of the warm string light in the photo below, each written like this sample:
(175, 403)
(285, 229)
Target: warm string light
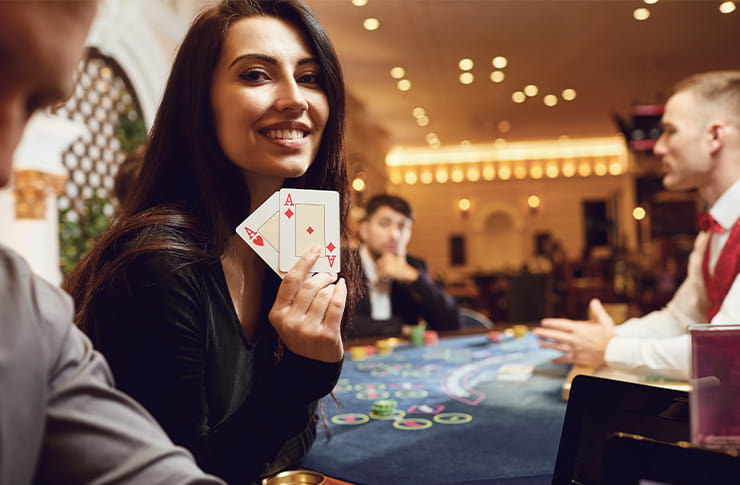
(488, 171)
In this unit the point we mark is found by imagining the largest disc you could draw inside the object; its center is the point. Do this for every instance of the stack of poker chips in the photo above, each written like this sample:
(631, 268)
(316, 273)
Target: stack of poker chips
(431, 337)
(384, 408)
(384, 346)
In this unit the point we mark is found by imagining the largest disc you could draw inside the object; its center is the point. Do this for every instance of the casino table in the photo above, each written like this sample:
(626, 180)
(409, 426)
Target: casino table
(469, 410)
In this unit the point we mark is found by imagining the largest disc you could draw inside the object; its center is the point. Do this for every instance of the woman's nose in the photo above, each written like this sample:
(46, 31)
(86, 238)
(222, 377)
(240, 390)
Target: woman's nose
(290, 97)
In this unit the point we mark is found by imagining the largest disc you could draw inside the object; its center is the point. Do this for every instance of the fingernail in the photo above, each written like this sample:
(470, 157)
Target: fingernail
(342, 282)
(316, 248)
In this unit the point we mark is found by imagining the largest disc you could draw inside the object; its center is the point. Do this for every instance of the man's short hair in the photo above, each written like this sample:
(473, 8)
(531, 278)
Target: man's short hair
(387, 200)
(717, 87)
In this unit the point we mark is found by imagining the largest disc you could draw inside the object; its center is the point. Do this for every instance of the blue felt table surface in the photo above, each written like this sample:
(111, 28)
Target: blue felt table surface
(489, 430)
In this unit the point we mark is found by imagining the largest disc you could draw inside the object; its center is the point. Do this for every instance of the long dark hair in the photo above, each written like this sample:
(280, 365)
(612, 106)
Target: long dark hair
(189, 196)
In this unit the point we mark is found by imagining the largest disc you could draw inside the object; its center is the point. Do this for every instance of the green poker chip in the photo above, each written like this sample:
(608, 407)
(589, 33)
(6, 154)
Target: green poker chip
(384, 407)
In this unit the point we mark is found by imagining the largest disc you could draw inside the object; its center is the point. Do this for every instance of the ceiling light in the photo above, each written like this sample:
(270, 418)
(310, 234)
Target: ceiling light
(600, 168)
(584, 169)
(426, 177)
(418, 112)
(473, 173)
(651, 2)
(531, 90)
(536, 171)
(410, 177)
(435, 143)
(504, 126)
(359, 3)
(404, 85)
(371, 23)
(499, 62)
(441, 176)
(615, 168)
(431, 136)
(465, 64)
(518, 97)
(727, 7)
(533, 201)
(359, 185)
(457, 175)
(504, 172)
(641, 14)
(638, 213)
(398, 72)
(489, 173)
(466, 78)
(499, 142)
(422, 121)
(550, 100)
(463, 204)
(568, 94)
(552, 170)
(497, 76)
(465, 144)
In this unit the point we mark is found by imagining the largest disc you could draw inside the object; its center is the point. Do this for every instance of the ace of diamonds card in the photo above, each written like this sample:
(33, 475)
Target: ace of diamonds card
(309, 217)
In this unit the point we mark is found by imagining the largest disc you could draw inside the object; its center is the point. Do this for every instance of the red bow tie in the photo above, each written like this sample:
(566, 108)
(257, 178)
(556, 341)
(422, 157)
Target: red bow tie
(707, 223)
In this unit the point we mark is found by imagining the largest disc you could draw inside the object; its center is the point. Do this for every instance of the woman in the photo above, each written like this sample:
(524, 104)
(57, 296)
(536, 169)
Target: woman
(228, 358)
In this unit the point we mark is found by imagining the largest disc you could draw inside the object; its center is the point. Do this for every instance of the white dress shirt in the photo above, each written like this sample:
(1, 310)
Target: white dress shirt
(658, 343)
(379, 291)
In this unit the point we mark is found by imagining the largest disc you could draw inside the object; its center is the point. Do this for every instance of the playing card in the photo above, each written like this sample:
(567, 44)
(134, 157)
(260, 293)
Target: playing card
(261, 230)
(515, 372)
(309, 217)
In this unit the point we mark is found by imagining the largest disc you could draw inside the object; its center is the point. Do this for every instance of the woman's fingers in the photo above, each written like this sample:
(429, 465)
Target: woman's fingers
(295, 277)
(310, 290)
(333, 314)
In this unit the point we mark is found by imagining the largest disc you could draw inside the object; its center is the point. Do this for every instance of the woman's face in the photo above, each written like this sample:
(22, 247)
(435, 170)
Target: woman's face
(268, 103)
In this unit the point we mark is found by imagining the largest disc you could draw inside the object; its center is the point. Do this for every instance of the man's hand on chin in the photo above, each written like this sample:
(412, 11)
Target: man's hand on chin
(393, 267)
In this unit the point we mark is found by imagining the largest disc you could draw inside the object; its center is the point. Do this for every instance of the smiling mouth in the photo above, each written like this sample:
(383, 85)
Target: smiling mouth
(285, 134)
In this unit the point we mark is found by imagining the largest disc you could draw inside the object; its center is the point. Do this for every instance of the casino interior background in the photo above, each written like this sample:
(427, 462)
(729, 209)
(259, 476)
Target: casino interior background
(520, 131)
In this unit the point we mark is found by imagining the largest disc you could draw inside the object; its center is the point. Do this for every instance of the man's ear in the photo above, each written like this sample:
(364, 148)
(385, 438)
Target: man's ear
(716, 136)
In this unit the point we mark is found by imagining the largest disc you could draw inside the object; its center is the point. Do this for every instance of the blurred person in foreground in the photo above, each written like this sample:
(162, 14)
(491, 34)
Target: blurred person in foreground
(700, 149)
(61, 419)
(399, 291)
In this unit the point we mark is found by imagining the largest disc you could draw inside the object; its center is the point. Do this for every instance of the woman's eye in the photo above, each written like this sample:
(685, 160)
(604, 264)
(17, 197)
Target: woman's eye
(310, 78)
(254, 76)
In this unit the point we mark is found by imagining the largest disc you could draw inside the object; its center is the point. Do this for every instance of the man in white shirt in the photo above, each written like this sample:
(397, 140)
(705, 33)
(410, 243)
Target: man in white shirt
(700, 149)
(399, 289)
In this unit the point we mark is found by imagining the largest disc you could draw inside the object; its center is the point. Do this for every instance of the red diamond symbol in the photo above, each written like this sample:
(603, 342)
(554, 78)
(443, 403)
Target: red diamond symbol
(289, 213)
(331, 247)
(309, 230)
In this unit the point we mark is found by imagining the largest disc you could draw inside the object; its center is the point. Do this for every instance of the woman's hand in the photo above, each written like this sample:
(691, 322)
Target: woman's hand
(308, 311)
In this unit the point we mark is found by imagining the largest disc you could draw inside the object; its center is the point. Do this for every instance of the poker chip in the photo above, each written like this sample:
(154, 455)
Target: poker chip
(384, 407)
(384, 346)
(358, 353)
(431, 337)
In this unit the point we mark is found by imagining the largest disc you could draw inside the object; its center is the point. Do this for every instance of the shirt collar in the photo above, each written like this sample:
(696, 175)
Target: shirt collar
(725, 210)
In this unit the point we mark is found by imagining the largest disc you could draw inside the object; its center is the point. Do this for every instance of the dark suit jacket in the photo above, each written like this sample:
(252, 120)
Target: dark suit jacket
(409, 303)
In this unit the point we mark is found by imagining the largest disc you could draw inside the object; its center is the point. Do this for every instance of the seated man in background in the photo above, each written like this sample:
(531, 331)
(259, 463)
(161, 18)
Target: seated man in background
(700, 149)
(399, 290)
(61, 419)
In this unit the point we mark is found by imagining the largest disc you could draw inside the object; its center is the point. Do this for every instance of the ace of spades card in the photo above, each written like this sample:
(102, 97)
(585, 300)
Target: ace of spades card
(309, 217)
(261, 230)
